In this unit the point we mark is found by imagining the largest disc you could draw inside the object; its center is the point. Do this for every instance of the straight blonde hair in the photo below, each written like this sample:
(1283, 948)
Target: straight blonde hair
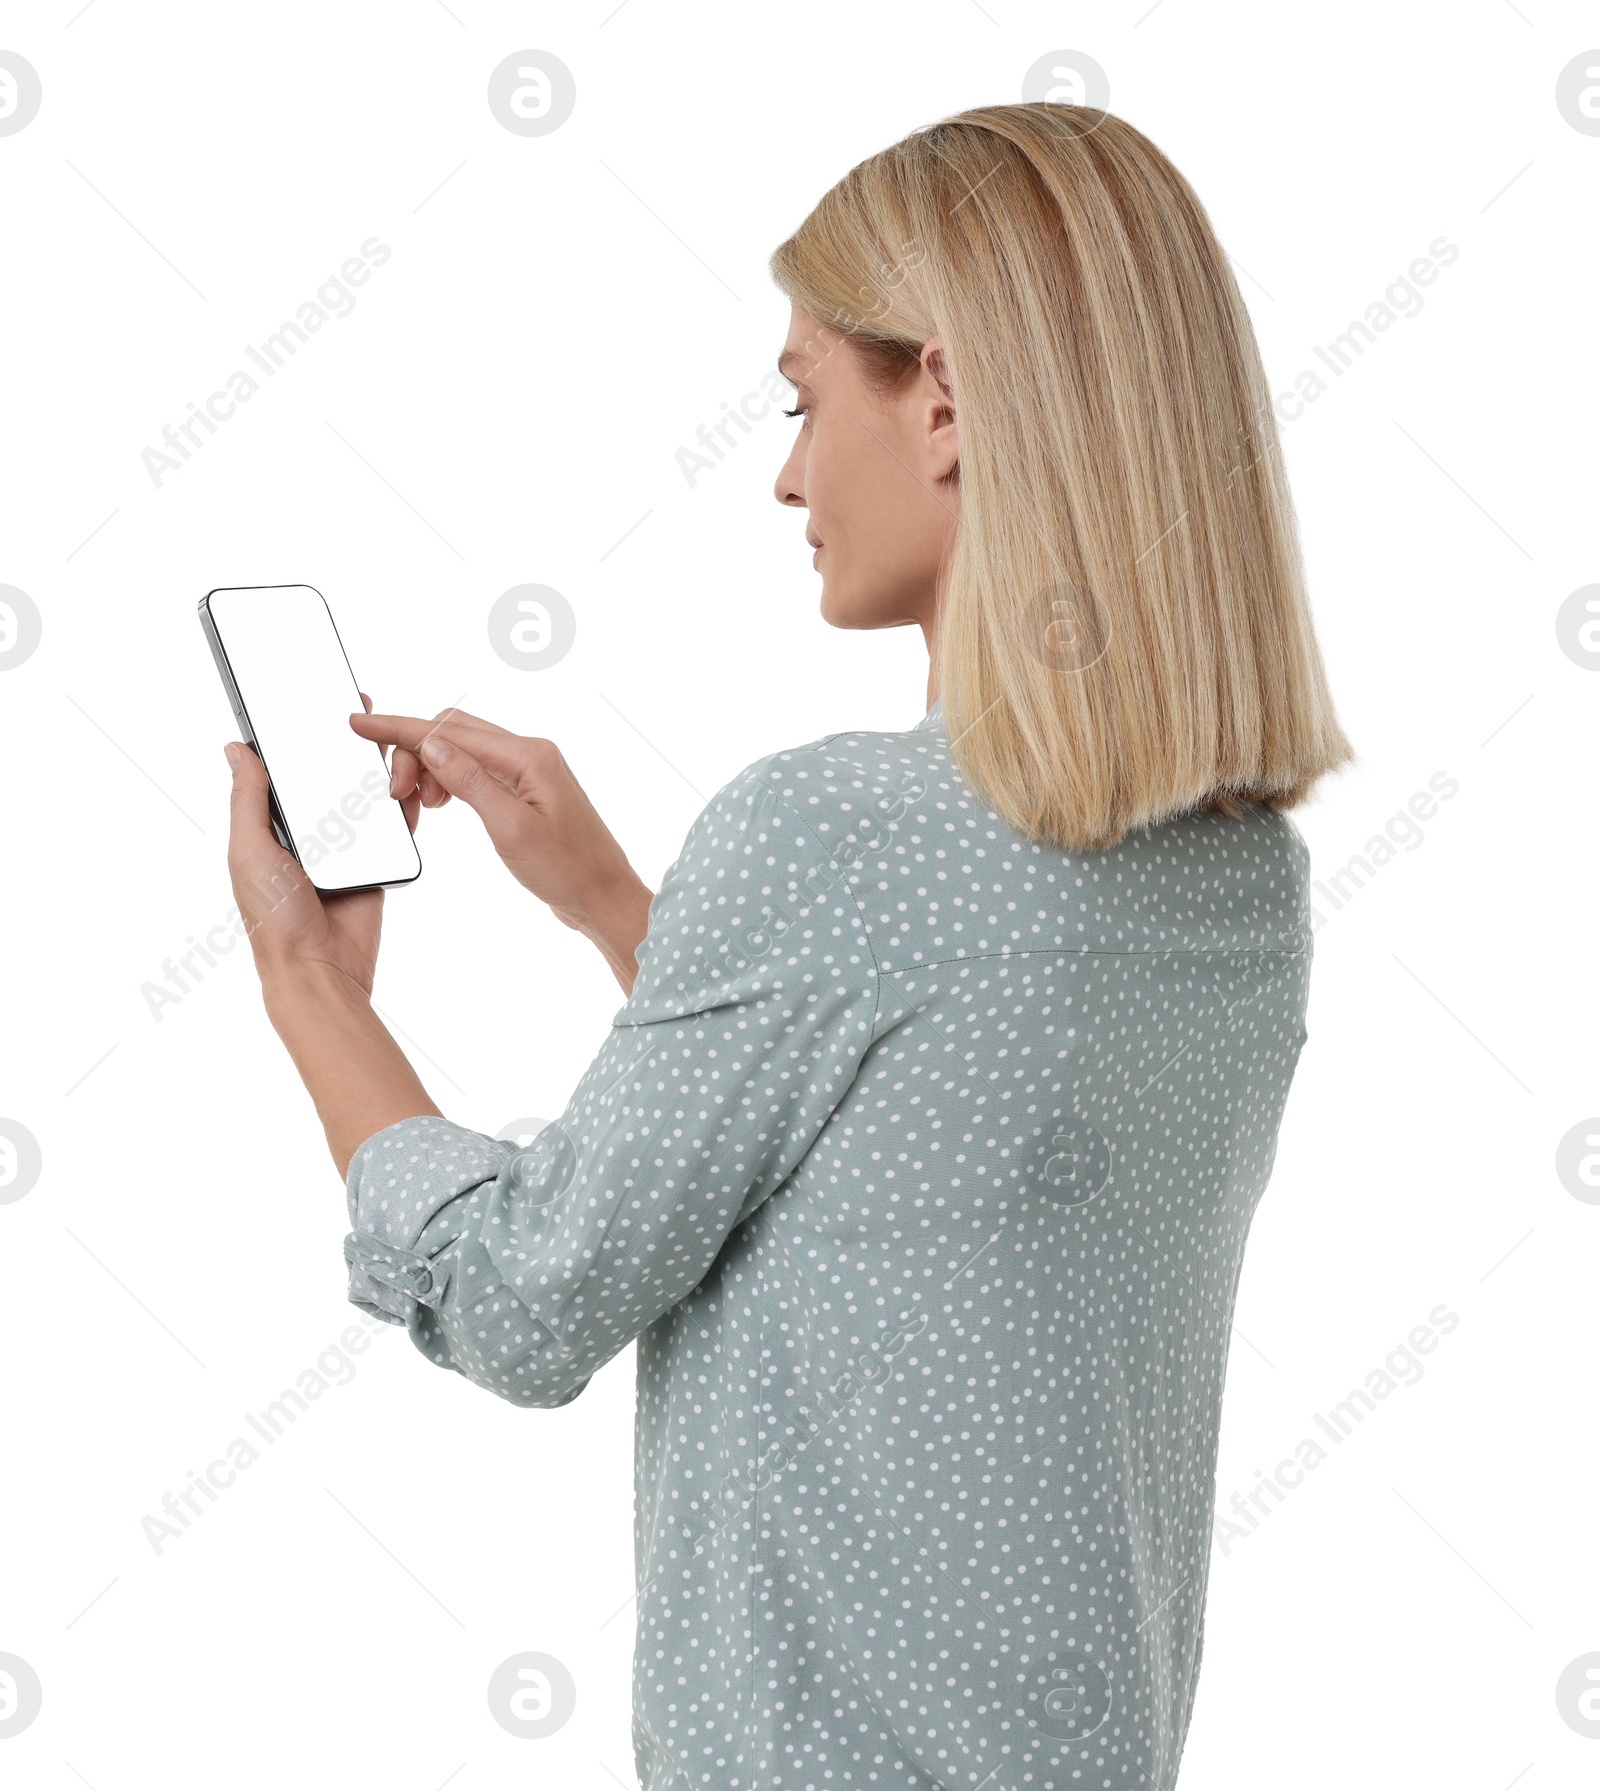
(1124, 634)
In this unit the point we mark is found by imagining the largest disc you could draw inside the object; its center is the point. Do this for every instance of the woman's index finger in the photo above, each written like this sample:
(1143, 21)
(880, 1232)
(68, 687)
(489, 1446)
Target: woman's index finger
(412, 730)
(394, 730)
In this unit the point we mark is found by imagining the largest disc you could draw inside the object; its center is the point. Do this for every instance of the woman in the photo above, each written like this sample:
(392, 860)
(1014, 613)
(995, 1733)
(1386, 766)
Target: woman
(921, 1156)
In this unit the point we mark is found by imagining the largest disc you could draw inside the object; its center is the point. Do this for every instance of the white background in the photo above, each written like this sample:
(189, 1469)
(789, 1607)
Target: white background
(503, 406)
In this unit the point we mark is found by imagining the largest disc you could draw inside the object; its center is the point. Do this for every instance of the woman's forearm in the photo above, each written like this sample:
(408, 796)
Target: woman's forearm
(359, 1078)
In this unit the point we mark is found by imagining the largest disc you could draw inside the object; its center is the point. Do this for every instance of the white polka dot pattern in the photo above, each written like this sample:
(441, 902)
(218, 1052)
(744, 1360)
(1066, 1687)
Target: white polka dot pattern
(920, 1162)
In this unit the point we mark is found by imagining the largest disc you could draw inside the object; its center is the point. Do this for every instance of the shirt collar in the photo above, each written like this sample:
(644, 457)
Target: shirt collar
(934, 719)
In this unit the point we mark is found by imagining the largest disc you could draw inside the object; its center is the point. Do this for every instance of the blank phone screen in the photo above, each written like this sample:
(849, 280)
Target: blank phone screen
(296, 693)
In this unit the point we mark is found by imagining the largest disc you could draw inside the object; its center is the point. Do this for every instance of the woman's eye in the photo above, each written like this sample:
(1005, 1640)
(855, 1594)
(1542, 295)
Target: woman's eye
(798, 411)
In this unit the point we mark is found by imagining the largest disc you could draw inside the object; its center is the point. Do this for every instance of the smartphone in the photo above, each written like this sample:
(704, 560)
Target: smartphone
(293, 693)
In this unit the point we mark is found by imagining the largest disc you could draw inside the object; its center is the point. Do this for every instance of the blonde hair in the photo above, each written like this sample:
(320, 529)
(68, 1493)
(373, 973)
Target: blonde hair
(1124, 633)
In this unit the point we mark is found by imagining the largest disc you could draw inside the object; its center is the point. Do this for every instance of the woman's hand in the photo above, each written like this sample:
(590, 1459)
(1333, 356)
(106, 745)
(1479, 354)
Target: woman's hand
(535, 812)
(290, 925)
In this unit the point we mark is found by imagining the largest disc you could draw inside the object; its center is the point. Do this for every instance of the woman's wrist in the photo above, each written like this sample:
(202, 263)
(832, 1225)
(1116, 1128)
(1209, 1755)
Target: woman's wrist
(615, 920)
(291, 984)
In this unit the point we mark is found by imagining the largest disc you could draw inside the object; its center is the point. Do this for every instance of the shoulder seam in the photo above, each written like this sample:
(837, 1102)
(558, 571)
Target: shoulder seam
(1105, 951)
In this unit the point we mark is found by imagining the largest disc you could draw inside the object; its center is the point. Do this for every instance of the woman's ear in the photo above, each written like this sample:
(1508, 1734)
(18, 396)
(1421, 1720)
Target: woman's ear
(944, 430)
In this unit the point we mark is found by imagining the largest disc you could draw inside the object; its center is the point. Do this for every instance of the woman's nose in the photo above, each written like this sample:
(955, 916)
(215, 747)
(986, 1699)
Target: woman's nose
(789, 487)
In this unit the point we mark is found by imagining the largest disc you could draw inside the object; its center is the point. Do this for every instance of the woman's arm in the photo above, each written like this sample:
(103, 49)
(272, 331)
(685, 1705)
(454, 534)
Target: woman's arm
(526, 1270)
(358, 1077)
(316, 954)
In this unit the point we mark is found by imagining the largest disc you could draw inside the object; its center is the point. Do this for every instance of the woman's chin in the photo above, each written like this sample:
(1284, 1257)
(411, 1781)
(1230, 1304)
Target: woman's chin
(835, 611)
(846, 609)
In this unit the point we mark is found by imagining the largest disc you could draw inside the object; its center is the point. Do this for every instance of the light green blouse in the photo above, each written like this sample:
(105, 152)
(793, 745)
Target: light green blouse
(920, 1162)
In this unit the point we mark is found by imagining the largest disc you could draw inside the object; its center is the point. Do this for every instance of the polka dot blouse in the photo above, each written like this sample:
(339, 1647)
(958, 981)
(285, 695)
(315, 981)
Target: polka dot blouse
(920, 1164)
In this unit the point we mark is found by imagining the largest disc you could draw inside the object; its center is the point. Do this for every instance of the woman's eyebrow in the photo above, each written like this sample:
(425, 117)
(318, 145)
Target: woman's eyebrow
(791, 357)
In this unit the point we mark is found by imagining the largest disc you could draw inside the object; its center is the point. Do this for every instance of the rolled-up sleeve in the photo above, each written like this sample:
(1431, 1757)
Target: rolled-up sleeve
(526, 1270)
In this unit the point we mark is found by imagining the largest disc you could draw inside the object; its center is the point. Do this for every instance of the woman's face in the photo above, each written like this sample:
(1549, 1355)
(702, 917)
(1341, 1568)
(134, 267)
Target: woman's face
(877, 472)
